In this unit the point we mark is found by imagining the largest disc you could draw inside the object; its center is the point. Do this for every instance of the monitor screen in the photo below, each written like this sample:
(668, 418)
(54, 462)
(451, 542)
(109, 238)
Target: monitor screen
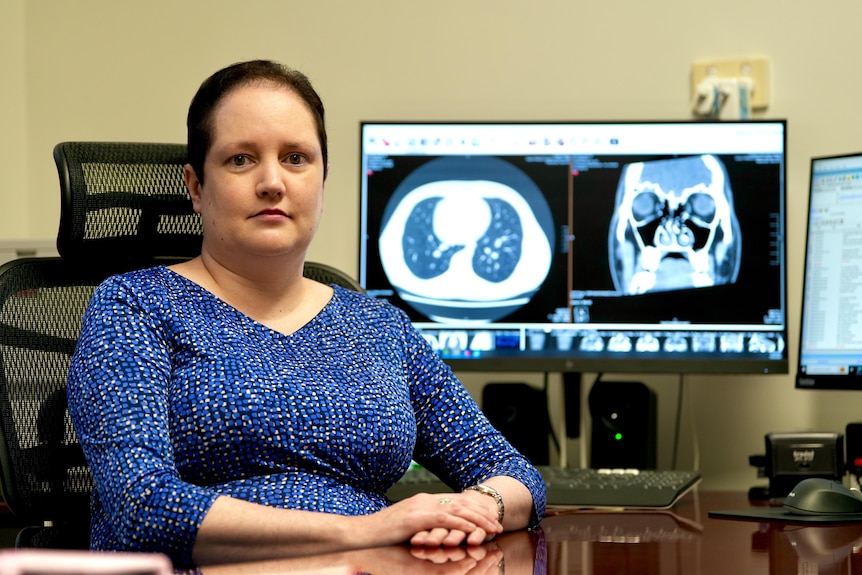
(581, 246)
(830, 340)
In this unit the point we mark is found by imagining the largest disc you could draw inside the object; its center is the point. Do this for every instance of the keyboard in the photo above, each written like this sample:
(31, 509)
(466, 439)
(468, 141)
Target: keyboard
(417, 480)
(584, 488)
(626, 488)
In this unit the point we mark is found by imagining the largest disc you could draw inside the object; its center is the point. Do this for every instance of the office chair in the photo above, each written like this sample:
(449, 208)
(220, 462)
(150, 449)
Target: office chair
(124, 206)
(327, 274)
(45, 481)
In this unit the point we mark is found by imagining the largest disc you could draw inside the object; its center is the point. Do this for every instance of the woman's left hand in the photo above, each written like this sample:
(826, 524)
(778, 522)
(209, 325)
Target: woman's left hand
(441, 536)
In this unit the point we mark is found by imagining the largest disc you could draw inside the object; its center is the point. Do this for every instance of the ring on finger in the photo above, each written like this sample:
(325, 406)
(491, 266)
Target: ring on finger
(444, 501)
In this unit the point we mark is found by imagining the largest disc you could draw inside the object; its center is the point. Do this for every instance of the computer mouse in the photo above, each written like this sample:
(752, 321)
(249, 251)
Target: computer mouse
(819, 496)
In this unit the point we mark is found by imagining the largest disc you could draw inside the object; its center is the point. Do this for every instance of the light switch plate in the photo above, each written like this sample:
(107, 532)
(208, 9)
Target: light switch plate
(757, 68)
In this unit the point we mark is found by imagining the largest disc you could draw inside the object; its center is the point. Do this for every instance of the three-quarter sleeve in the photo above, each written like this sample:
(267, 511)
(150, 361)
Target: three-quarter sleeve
(455, 440)
(118, 389)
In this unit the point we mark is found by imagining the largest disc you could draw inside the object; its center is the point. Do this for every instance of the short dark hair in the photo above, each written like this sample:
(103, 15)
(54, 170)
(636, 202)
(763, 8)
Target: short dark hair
(213, 89)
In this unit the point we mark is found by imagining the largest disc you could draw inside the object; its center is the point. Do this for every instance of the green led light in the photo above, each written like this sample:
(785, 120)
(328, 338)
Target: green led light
(618, 436)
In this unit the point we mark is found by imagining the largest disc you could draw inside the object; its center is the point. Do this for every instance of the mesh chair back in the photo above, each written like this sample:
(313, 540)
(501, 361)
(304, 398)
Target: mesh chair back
(123, 206)
(327, 274)
(123, 200)
(44, 473)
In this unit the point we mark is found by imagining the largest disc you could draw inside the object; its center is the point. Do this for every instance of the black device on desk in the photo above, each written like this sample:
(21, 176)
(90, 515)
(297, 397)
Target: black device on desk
(792, 457)
(587, 488)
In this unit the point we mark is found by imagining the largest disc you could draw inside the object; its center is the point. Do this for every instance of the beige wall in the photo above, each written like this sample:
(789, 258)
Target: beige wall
(14, 189)
(109, 70)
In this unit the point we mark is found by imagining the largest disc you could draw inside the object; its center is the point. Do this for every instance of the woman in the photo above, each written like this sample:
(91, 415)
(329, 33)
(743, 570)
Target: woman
(231, 409)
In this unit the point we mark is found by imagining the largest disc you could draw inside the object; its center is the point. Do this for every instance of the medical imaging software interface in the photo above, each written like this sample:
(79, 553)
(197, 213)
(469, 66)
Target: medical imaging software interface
(830, 350)
(579, 241)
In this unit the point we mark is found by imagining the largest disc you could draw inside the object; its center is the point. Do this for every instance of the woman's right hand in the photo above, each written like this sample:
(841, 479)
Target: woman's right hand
(439, 520)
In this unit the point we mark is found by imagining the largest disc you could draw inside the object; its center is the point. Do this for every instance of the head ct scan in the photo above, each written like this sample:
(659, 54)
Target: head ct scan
(674, 226)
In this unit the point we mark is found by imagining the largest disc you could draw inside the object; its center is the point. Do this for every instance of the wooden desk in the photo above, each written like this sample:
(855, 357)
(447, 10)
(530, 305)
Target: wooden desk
(684, 541)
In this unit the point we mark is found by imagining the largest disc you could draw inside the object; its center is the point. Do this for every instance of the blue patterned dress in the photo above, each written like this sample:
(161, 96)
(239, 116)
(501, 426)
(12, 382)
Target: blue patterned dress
(178, 398)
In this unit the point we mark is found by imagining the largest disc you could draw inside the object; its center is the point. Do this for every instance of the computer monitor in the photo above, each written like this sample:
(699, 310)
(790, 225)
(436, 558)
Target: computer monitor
(830, 340)
(581, 246)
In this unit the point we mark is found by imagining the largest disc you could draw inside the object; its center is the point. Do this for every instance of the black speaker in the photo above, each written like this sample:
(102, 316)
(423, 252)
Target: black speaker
(624, 425)
(520, 412)
(572, 403)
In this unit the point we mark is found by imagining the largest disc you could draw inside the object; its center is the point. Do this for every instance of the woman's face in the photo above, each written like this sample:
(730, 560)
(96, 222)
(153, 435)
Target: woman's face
(263, 194)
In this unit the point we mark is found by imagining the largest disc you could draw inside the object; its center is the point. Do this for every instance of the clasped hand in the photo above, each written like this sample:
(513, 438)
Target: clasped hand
(445, 519)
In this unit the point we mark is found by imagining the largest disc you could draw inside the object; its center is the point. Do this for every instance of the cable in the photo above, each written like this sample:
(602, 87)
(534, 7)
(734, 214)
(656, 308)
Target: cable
(695, 445)
(551, 430)
(678, 422)
(685, 398)
(586, 450)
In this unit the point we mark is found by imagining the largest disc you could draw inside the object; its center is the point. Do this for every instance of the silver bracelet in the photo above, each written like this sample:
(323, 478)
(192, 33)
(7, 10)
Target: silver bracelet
(501, 509)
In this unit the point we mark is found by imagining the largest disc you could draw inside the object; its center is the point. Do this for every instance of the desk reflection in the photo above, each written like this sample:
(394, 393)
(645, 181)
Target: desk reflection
(822, 549)
(596, 542)
(681, 541)
(518, 553)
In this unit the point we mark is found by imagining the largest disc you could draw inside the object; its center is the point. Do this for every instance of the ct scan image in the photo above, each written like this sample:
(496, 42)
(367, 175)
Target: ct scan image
(467, 238)
(674, 226)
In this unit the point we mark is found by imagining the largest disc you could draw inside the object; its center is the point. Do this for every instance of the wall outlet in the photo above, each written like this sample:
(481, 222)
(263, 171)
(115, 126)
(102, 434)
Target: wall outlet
(757, 68)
